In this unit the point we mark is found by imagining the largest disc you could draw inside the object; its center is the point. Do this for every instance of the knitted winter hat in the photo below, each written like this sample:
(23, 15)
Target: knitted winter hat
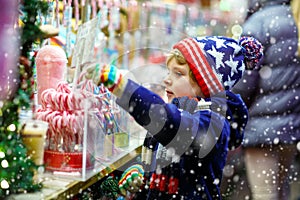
(218, 62)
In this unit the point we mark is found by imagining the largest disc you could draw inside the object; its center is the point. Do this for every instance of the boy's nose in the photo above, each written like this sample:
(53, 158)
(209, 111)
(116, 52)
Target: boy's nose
(167, 80)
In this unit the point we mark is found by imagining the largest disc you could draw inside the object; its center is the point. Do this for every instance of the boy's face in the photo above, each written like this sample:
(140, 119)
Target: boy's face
(178, 82)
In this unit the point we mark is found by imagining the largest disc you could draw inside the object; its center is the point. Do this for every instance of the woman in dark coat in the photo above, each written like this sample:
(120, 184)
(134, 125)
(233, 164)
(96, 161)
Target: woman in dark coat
(272, 96)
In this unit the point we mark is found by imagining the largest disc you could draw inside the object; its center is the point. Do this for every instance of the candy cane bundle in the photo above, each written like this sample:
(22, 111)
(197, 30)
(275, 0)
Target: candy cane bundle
(63, 109)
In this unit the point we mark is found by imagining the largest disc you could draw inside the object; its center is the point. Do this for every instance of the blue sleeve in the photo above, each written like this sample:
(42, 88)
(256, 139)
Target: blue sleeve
(168, 125)
(150, 111)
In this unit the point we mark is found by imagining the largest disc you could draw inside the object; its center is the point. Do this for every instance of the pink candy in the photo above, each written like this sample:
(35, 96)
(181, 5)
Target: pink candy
(64, 111)
(50, 67)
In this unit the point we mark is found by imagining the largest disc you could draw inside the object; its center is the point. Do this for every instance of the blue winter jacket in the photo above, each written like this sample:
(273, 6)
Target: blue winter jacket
(272, 93)
(201, 139)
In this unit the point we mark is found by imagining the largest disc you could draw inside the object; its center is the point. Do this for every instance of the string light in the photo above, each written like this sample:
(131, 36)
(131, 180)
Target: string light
(4, 184)
(4, 164)
(12, 127)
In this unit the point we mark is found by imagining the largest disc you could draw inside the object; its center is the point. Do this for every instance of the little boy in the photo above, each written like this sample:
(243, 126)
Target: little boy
(188, 138)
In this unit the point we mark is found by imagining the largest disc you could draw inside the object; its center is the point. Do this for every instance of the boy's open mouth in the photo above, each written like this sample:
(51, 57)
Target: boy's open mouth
(169, 92)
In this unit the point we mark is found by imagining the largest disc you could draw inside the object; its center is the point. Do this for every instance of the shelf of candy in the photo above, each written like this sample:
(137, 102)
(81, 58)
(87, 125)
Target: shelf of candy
(63, 109)
(83, 130)
(112, 119)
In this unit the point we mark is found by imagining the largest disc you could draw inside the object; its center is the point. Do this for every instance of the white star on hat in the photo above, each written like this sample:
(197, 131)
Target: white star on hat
(218, 56)
(233, 65)
(235, 46)
(219, 42)
(229, 82)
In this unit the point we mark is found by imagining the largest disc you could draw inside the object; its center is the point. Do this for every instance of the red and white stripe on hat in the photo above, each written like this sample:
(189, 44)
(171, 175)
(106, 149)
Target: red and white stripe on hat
(205, 75)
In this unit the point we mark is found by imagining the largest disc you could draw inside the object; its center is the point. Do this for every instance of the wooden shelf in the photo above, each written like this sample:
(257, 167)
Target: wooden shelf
(63, 187)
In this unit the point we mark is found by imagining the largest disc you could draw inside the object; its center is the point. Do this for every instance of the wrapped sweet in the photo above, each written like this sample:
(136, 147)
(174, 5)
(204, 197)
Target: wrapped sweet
(51, 67)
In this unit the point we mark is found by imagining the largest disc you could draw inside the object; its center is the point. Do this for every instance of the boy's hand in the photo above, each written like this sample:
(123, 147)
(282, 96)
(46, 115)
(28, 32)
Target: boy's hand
(93, 72)
(131, 179)
(109, 75)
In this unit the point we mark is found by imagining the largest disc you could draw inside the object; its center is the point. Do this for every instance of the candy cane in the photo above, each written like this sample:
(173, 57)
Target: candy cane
(76, 14)
(63, 110)
(100, 4)
(57, 13)
(94, 8)
(70, 101)
(63, 11)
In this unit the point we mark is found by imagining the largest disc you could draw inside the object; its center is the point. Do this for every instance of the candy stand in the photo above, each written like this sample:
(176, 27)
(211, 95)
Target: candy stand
(88, 135)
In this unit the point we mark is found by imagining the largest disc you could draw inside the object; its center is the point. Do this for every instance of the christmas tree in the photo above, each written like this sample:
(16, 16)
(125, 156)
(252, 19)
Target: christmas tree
(16, 169)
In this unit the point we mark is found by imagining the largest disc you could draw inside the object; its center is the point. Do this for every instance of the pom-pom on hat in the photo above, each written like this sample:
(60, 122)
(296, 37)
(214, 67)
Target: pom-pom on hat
(218, 62)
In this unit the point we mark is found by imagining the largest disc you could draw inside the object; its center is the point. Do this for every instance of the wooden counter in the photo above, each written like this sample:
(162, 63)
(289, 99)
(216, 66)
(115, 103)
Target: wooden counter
(64, 187)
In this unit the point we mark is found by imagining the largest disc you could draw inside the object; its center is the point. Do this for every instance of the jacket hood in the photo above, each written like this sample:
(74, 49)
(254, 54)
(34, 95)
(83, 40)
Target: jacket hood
(236, 114)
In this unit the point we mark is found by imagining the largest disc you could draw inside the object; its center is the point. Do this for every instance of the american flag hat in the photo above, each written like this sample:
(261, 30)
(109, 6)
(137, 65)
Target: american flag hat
(219, 62)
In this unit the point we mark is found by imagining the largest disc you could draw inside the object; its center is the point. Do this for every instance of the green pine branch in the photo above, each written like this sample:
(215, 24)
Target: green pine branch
(16, 169)
(31, 32)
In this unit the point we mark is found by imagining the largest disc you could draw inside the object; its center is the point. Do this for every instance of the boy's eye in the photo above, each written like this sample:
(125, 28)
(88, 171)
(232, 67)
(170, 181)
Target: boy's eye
(178, 73)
